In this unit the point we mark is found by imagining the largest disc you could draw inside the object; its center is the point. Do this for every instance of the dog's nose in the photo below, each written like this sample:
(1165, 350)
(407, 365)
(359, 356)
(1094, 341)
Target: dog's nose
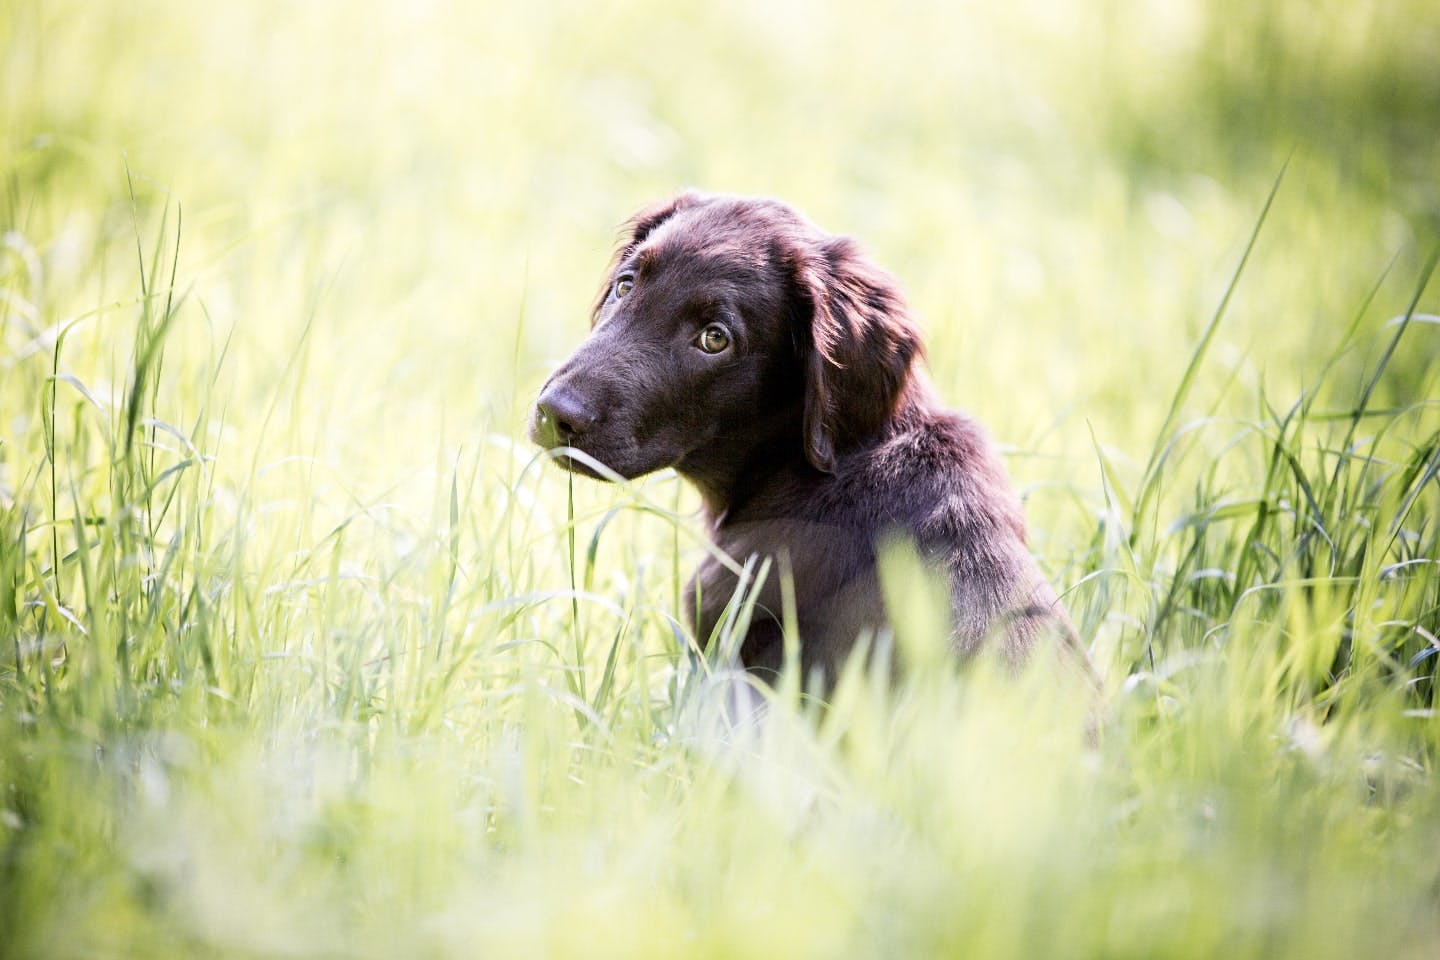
(561, 416)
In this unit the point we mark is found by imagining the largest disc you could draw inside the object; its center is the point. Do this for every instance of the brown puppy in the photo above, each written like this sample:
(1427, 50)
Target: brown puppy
(772, 365)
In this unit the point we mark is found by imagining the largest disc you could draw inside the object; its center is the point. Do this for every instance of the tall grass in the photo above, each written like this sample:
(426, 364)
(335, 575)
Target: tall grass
(306, 652)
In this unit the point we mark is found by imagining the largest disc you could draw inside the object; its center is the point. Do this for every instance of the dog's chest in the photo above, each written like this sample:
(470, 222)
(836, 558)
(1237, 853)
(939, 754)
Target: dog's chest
(829, 570)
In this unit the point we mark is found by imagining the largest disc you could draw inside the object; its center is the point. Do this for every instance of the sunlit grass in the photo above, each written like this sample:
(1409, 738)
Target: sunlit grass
(306, 652)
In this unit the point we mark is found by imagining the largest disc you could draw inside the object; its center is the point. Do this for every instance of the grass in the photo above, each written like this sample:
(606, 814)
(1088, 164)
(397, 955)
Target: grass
(307, 653)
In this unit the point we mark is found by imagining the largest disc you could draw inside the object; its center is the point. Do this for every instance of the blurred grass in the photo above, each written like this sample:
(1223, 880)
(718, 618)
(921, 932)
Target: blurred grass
(293, 665)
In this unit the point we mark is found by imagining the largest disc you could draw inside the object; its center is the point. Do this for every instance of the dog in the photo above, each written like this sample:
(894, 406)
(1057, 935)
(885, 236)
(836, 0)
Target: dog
(775, 367)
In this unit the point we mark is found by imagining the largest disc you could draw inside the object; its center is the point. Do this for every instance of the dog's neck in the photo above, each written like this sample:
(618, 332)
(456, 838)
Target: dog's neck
(730, 472)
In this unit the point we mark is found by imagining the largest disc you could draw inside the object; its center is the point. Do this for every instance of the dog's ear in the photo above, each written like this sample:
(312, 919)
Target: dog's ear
(636, 230)
(860, 347)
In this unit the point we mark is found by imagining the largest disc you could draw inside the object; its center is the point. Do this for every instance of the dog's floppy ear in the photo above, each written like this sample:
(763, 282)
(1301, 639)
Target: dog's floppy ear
(637, 229)
(861, 346)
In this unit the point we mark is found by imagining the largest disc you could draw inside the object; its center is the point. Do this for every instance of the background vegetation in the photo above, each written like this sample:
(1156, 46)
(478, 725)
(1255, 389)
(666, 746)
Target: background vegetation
(306, 654)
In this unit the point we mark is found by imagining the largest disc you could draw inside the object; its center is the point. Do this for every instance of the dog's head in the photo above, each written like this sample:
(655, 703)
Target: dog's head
(729, 327)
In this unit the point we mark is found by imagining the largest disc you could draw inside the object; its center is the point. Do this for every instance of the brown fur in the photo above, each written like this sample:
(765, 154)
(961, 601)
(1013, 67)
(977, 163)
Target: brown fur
(811, 436)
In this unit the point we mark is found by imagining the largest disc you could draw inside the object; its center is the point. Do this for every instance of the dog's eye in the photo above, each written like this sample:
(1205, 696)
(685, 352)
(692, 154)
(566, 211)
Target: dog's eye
(623, 285)
(713, 339)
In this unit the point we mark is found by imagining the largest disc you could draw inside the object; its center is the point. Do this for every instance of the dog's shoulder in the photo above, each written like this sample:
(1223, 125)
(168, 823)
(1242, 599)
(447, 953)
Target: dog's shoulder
(931, 471)
(939, 473)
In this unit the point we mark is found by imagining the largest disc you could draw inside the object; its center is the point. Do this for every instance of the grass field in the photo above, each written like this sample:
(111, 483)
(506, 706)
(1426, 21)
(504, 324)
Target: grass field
(307, 653)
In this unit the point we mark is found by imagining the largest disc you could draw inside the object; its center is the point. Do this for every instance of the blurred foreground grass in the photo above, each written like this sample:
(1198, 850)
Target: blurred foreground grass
(299, 658)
